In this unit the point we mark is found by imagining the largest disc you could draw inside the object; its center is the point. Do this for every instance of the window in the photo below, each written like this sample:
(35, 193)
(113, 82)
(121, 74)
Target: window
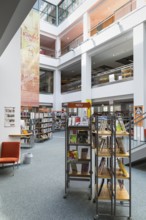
(46, 81)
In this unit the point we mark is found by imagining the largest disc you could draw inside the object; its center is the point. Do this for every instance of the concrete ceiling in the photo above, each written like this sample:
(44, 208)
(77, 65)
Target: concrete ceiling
(12, 14)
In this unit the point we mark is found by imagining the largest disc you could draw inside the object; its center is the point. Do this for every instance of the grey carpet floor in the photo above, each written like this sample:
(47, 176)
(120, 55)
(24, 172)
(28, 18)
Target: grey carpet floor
(36, 190)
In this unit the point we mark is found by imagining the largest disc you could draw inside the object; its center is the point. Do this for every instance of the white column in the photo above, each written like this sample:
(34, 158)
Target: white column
(140, 3)
(86, 26)
(57, 47)
(139, 52)
(85, 77)
(57, 105)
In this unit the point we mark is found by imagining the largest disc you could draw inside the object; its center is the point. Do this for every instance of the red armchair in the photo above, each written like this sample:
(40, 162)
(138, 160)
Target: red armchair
(10, 153)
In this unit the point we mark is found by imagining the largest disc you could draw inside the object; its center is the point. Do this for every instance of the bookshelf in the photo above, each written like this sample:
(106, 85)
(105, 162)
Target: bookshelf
(27, 128)
(43, 126)
(78, 147)
(112, 178)
(59, 118)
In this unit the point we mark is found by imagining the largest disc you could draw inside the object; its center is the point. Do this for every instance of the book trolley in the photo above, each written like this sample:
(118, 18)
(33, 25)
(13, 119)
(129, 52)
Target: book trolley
(112, 178)
(78, 150)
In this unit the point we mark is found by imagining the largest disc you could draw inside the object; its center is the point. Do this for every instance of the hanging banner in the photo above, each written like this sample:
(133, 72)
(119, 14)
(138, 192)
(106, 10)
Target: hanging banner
(138, 115)
(30, 48)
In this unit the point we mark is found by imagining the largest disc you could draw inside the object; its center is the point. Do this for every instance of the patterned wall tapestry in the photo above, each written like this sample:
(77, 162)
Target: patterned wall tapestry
(30, 48)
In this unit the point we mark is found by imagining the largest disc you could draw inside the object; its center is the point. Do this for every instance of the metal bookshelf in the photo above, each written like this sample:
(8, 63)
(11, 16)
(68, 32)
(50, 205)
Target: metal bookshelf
(78, 143)
(112, 178)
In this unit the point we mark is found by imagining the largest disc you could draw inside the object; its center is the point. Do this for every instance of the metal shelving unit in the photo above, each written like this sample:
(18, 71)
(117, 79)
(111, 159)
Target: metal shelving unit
(78, 142)
(112, 178)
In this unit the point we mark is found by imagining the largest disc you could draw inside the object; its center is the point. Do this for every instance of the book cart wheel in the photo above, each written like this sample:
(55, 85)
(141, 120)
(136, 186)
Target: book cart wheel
(65, 196)
(94, 200)
(89, 198)
(129, 218)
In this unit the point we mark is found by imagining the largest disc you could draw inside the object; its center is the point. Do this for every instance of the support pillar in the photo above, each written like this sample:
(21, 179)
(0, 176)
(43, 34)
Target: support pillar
(86, 26)
(57, 47)
(85, 77)
(57, 105)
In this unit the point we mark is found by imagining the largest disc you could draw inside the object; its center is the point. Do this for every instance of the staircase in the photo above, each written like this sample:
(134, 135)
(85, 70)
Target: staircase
(138, 138)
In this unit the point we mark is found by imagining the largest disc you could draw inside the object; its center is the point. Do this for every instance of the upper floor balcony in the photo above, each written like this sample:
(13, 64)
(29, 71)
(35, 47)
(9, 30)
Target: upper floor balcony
(102, 15)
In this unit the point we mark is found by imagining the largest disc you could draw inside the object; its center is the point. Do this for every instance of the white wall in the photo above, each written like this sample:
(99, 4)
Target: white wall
(10, 86)
(71, 97)
(43, 98)
(117, 89)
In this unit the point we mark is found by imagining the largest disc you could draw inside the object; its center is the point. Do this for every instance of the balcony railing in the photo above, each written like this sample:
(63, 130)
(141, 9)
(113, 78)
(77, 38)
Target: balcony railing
(119, 13)
(75, 43)
(115, 75)
(66, 8)
(47, 52)
(71, 87)
(122, 11)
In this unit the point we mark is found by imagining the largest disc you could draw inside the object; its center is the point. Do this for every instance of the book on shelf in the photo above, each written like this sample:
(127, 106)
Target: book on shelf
(85, 167)
(121, 184)
(84, 153)
(109, 186)
(120, 127)
(101, 165)
(101, 144)
(82, 137)
(102, 123)
(72, 155)
(78, 121)
(121, 145)
(74, 167)
(73, 139)
(122, 167)
(100, 187)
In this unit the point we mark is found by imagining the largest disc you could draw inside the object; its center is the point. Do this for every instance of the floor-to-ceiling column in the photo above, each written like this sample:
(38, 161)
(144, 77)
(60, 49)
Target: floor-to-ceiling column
(57, 47)
(139, 52)
(85, 77)
(86, 26)
(57, 90)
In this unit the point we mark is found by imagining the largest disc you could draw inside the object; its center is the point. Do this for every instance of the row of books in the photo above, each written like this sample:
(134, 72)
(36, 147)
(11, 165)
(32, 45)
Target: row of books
(84, 168)
(109, 186)
(102, 166)
(73, 155)
(120, 148)
(79, 137)
(78, 121)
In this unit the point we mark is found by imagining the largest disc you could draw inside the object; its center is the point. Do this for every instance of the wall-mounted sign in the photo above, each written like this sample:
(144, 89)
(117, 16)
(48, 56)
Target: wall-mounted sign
(9, 117)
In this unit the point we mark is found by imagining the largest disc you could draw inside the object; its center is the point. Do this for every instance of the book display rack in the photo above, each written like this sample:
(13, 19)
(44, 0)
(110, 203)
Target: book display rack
(112, 177)
(78, 150)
